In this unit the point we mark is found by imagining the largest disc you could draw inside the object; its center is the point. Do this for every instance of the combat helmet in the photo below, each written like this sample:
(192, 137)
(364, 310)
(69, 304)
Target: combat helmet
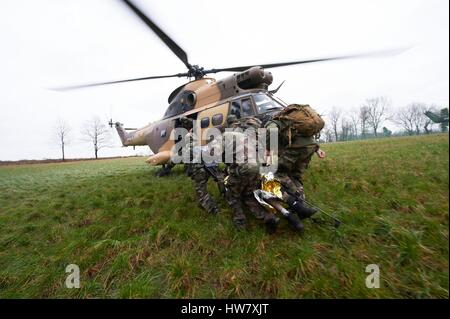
(251, 122)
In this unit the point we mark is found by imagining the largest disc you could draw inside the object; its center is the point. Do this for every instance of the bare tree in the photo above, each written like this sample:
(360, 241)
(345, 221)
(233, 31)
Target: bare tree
(363, 119)
(335, 115)
(346, 128)
(97, 133)
(405, 117)
(61, 136)
(412, 117)
(420, 118)
(355, 120)
(377, 112)
(327, 133)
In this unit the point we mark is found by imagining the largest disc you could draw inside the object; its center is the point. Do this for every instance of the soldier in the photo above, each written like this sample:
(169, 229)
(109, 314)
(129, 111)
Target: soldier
(295, 151)
(243, 177)
(197, 171)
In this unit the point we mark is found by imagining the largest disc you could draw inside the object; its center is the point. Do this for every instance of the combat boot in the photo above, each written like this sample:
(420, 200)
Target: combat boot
(211, 207)
(240, 224)
(259, 213)
(213, 210)
(295, 222)
(271, 222)
(302, 209)
(239, 220)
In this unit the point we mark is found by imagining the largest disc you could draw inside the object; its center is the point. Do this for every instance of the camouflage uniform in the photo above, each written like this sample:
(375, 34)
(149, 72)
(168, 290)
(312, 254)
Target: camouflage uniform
(243, 178)
(197, 171)
(241, 181)
(294, 156)
(199, 175)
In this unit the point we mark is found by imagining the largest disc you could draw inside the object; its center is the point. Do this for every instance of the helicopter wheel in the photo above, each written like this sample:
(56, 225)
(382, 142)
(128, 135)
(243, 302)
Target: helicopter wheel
(163, 171)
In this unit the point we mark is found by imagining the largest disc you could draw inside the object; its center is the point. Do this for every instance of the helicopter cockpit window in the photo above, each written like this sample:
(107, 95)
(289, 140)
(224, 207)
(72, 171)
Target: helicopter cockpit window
(242, 107)
(246, 105)
(264, 103)
(183, 103)
(236, 109)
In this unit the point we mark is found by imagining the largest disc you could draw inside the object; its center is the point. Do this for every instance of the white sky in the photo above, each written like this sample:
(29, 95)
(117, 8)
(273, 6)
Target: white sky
(50, 43)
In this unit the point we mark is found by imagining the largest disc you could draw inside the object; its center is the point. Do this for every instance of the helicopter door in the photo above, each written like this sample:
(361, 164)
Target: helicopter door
(242, 107)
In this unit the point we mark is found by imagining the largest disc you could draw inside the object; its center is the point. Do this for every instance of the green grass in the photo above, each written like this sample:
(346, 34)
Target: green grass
(138, 236)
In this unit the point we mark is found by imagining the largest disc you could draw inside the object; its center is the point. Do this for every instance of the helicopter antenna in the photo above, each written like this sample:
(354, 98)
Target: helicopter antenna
(276, 90)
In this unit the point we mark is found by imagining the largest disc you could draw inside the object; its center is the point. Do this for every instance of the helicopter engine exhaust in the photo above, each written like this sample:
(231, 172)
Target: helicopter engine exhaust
(255, 77)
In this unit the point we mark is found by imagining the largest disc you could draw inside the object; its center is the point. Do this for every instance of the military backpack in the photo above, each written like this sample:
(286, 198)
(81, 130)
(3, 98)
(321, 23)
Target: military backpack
(299, 119)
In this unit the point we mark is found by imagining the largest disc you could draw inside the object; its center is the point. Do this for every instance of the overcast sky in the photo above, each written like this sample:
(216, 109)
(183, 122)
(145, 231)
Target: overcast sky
(48, 43)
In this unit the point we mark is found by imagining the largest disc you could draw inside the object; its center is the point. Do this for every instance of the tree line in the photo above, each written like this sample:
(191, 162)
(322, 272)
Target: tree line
(373, 117)
(93, 132)
(368, 121)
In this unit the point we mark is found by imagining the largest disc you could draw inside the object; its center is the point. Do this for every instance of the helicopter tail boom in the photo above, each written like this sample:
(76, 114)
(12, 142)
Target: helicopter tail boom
(133, 138)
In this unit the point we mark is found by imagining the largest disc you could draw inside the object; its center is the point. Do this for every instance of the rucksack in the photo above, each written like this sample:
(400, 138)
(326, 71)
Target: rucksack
(299, 119)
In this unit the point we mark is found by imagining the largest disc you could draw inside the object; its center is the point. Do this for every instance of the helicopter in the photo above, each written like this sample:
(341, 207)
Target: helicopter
(204, 99)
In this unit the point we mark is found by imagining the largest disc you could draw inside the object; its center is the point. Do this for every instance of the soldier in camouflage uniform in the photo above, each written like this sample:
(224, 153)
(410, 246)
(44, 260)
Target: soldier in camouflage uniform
(244, 178)
(197, 171)
(294, 156)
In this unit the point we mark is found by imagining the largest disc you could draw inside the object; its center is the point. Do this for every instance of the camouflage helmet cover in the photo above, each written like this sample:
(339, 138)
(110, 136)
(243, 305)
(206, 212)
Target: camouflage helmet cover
(251, 122)
(232, 120)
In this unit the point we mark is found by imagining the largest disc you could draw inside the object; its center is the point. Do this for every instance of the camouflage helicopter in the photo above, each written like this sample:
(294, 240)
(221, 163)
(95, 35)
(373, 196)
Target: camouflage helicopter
(204, 99)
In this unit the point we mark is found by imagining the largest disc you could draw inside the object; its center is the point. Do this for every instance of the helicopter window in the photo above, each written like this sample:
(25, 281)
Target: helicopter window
(217, 119)
(236, 109)
(183, 103)
(163, 133)
(264, 103)
(247, 107)
(204, 122)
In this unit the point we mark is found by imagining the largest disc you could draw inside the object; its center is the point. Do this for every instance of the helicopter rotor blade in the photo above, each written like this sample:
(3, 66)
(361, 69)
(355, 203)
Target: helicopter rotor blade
(175, 48)
(74, 87)
(243, 68)
(277, 65)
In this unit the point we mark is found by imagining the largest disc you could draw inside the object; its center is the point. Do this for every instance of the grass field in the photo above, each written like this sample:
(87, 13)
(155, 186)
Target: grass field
(134, 235)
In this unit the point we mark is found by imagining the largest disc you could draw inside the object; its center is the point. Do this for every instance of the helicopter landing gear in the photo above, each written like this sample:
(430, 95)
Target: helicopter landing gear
(165, 170)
